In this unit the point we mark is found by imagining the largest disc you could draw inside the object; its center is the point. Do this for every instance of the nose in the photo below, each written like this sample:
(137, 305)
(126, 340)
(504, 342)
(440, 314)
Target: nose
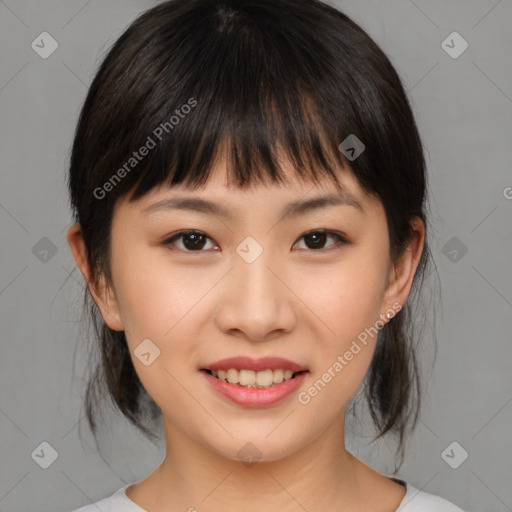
(256, 301)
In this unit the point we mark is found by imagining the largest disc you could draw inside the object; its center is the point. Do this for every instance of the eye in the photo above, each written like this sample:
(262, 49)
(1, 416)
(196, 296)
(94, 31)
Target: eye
(195, 241)
(192, 240)
(316, 239)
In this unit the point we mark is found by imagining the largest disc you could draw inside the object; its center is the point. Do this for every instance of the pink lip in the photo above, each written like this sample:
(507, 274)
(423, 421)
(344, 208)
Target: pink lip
(246, 363)
(255, 397)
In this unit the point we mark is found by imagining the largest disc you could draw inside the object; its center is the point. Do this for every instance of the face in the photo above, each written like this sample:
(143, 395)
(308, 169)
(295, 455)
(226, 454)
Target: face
(311, 286)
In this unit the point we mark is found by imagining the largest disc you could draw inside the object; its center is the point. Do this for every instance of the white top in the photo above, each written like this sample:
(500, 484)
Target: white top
(413, 501)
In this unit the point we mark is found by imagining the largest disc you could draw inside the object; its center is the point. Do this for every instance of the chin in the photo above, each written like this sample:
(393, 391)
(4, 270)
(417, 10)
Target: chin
(256, 449)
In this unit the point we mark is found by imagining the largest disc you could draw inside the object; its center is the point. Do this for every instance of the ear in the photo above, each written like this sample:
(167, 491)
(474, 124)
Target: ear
(401, 274)
(103, 295)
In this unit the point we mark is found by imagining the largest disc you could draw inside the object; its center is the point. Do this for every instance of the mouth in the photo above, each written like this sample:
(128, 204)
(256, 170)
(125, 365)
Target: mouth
(254, 379)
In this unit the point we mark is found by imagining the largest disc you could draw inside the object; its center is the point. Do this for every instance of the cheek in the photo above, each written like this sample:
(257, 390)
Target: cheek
(152, 295)
(156, 303)
(347, 297)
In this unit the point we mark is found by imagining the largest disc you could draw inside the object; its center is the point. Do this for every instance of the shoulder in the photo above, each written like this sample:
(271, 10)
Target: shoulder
(420, 501)
(117, 502)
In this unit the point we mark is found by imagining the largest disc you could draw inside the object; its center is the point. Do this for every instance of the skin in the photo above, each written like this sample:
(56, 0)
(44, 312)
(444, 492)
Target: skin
(297, 300)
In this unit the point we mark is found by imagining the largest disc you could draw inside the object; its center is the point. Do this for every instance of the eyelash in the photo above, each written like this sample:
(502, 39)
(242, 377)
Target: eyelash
(180, 234)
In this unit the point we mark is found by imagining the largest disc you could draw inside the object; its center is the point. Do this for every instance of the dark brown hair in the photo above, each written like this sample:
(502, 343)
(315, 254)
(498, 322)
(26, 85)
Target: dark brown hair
(259, 76)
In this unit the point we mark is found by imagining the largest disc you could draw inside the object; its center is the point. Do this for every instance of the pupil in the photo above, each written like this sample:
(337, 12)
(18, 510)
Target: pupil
(195, 244)
(316, 235)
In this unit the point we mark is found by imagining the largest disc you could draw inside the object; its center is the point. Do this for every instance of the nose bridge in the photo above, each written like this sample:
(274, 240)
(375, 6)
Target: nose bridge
(256, 282)
(255, 301)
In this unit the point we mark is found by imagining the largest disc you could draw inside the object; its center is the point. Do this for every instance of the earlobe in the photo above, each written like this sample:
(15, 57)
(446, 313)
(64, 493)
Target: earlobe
(402, 272)
(103, 295)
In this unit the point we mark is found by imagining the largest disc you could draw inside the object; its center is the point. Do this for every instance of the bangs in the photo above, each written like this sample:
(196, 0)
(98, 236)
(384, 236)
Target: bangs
(253, 144)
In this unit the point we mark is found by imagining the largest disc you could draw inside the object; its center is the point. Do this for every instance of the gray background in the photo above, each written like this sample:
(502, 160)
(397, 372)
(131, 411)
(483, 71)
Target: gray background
(463, 108)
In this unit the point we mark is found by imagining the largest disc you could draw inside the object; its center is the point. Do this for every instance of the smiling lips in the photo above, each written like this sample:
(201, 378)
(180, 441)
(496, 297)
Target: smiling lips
(255, 382)
(250, 378)
(248, 372)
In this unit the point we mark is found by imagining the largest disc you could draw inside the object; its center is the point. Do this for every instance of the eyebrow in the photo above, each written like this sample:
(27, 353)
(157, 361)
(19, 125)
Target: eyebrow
(293, 209)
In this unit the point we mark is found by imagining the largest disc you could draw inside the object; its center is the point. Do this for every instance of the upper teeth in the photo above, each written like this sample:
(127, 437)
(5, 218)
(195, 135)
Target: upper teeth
(252, 378)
